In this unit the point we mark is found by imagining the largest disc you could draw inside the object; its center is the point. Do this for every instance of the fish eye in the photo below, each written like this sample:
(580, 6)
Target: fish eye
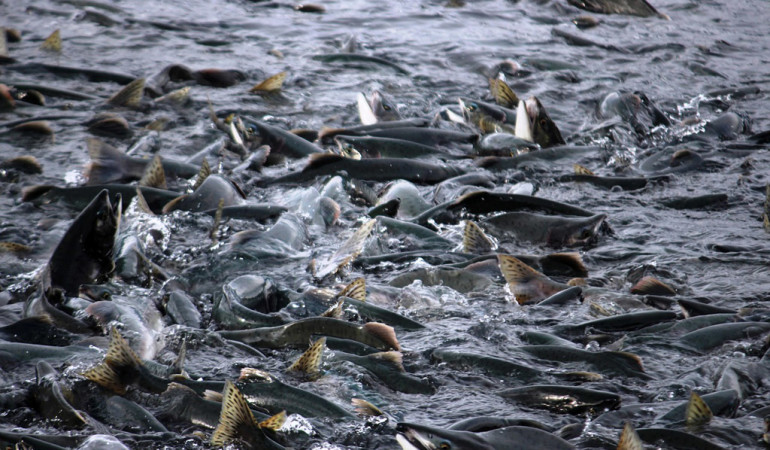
(106, 295)
(386, 107)
(444, 445)
(585, 234)
(472, 107)
(543, 122)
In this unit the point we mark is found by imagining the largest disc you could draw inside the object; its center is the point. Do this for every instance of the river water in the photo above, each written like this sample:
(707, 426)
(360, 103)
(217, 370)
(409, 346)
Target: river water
(710, 58)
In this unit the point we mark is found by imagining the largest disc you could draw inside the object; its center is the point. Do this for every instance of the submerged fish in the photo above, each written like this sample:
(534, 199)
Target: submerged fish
(554, 231)
(421, 437)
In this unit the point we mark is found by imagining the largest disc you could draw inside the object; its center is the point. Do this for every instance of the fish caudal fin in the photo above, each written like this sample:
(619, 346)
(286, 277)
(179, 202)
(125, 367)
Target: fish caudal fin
(475, 241)
(697, 412)
(355, 290)
(154, 176)
(629, 438)
(310, 361)
(235, 416)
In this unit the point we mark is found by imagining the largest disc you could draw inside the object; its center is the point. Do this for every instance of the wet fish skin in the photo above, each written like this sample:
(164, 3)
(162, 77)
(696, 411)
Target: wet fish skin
(489, 364)
(385, 147)
(373, 312)
(485, 202)
(632, 7)
(390, 373)
(619, 363)
(207, 196)
(84, 254)
(544, 130)
(281, 142)
(384, 106)
(565, 399)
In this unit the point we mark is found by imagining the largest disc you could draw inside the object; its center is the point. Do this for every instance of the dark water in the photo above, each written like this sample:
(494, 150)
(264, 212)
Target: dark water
(681, 64)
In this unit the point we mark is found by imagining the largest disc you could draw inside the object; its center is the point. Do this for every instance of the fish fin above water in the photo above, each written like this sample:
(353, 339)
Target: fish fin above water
(383, 332)
(335, 311)
(271, 84)
(235, 416)
(569, 260)
(475, 241)
(33, 193)
(394, 358)
(697, 412)
(365, 408)
(53, 42)
(582, 170)
(119, 354)
(141, 202)
(274, 422)
(214, 233)
(178, 364)
(212, 396)
(347, 252)
(365, 112)
(523, 127)
(13, 247)
(652, 286)
(106, 377)
(202, 174)
(527, 284)
(629, 438)
(310, 361)
(25, 163)
(503, 94)
(171, 206)
(154, 176)
(355, 290)
(130, 96)
(107, 162)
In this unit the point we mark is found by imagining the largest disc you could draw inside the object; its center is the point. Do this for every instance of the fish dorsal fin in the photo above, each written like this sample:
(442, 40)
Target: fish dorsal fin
(503, 94)
(25, 163)
(335, 311)
(475, 241)
(178, 364)
(32, 193)
(582, 170)
(154, 176)
(119, 354)
(141, 202)
(396, 359)
(652, 286)
(52, 43)
(365, 408)
(629, 438)
(365, 112)
(317, 160)
(697, 412)
(178, 96)
(106, 377)
(310, 361)
(273, 422)
(523, 127)
(355, 290)
(203, 173)
(383, 332)
(130, 96)
(272, 84)
(234, 417)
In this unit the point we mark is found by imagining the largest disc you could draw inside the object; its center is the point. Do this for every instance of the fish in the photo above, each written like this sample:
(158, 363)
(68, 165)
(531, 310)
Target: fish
(359, 58)
(421, 437)
(84, 254)
(616, 363)
(309, 363)
(563, 399)
(281, 142)
(326, 135)
(51, 399)
(207, 196)
(379, 169)
(485, 202)
(379, 107)
(553, 231)
(110, 165)
(298, 333)
(130, 95)
(53, 42)
(389, 368)
(544, 131)
(629, 438)
(383, 147)
(271, 84)
(79, 197)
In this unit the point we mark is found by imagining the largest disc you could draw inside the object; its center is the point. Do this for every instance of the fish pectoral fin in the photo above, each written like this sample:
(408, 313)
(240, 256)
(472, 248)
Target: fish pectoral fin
(235, 416)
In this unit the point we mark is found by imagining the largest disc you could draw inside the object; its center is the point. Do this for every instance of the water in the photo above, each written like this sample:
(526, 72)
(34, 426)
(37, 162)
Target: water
(448, 51)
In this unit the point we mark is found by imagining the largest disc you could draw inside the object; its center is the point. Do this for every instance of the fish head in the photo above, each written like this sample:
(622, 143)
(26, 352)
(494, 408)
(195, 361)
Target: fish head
(384, 106)
(346, 147)
(544, 130)
(422, 437)
(104, 217)
(584, 232)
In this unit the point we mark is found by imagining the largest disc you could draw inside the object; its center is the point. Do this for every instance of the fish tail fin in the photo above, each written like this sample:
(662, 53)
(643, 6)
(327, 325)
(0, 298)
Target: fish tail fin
(141, 202)
(503, 94)
(203, 173)
(697, 412)
(154, 176)
(310, 361)
(272, 84)
(384, 333)
(396, 359)
(212, 396)
(527, 284)
(106, 377)
(178, 364)
(355, 290)
(235, 416)
(475, 241)
(629, 438)
(652, 286)
(119, 354)
(107, 164)
(335, 311)
(582, 170)
(53, 42)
